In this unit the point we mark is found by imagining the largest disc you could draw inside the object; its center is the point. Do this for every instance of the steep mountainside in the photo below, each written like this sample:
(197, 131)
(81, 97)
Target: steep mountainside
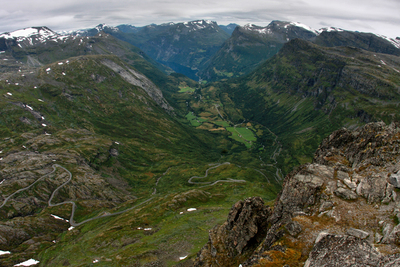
(106, 159)
(251, 45)
(306, 91)
(184, 47)
(341, 210)
(367, 41)
(90, 144)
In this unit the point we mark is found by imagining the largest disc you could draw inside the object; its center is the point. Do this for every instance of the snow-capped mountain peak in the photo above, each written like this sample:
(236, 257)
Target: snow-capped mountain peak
(33, 35)
(29, 32)
(199, 24)
(102, 26)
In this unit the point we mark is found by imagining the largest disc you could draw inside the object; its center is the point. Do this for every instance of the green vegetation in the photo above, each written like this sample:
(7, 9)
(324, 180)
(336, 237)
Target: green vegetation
(186, 89)
(92, 111)
(123, 149)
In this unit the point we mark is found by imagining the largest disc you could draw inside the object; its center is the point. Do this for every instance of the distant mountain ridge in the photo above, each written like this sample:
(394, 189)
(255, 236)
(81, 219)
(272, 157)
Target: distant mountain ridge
(203, 50)
(250, 45)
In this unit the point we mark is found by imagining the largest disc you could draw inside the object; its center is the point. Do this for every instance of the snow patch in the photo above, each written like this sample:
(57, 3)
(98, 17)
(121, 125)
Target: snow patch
(1, 183)
(383, 62)
(64, 73)
(69, 229)
(191, 209)
(182, 258)
(301, 25)
(60, 63)
(39, 98)
(95, 261)
(29, 107)
(58, 218)
(4, 252)
(48, 69)
(44, 125)
(255, 28)
(147, 229)
(2, 52)
(329, 29)
(28, 263)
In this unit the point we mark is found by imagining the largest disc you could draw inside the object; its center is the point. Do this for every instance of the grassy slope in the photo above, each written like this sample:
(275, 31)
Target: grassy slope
(307, 91)
(91, 98)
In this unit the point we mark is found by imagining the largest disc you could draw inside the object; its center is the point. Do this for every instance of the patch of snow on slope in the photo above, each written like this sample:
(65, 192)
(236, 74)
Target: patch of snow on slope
(301, 25)
(28, 263)
(58, 218)
(255, 28)
(329, 29)
(4, 252)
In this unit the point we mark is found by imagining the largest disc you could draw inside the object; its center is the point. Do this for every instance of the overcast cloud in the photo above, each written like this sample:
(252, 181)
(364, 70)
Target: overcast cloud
(363, 15)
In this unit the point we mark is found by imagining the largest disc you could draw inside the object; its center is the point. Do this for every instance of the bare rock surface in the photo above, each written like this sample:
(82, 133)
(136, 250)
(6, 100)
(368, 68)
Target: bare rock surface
(341, 210)
(232, 242)
(344, 251)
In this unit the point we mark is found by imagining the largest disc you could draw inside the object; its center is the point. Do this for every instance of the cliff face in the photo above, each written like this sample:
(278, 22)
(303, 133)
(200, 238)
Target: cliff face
(341, 210)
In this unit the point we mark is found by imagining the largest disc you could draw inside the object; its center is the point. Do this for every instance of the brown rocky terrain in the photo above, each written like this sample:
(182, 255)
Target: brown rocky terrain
(342, 209)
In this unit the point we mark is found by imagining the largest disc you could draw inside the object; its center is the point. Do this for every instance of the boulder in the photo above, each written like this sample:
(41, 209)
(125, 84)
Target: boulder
(345, 193)
(293, 228)
(346, 251)
(357, 233)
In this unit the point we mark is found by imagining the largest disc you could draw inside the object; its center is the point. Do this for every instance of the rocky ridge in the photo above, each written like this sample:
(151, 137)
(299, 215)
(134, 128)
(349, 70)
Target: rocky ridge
(342, 209)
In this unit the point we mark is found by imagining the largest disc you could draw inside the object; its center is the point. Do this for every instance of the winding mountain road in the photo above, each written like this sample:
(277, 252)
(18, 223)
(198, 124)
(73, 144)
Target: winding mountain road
(26, 188)
(71, 220)
(213, 183)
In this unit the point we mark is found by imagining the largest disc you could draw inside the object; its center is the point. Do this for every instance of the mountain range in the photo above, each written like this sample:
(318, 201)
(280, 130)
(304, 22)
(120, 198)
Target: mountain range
(110, 155)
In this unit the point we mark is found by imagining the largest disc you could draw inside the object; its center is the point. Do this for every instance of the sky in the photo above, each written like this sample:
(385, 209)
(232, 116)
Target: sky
(382, 17)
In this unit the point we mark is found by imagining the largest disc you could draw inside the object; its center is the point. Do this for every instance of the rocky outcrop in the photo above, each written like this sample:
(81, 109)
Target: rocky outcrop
(346, 251)
(232, 242)
(137, 79)
(340, 210)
